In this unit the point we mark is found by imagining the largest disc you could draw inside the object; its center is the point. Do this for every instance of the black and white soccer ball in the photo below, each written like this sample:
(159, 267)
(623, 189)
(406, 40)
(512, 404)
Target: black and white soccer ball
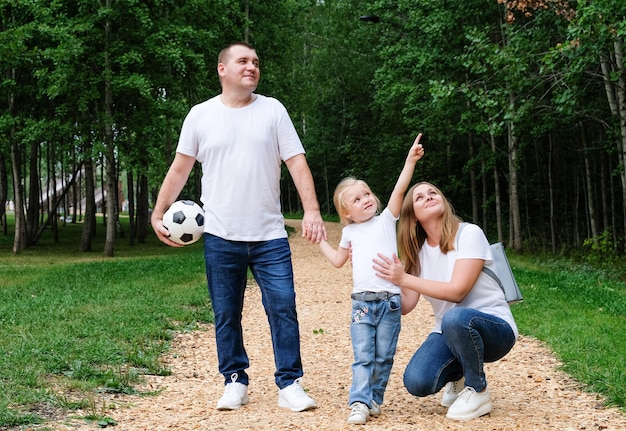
(185, 221)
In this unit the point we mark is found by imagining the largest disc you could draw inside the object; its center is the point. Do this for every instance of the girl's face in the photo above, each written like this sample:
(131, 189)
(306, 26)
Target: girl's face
(360, 203)
(427, 202)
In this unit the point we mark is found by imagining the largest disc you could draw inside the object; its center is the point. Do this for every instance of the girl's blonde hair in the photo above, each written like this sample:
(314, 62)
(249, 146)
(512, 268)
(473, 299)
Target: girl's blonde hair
(411, 234)
(338, 197)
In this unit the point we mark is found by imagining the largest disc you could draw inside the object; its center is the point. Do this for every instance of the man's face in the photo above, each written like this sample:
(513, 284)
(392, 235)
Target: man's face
(240, 68)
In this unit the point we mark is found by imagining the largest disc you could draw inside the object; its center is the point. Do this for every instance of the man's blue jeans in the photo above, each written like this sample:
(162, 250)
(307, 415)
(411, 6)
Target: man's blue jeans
(227, 264)
(468, 339)
(374, 330)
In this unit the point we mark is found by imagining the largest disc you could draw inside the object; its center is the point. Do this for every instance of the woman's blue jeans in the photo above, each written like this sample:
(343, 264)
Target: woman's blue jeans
(468, 339)
(227, 264)
(374, 331)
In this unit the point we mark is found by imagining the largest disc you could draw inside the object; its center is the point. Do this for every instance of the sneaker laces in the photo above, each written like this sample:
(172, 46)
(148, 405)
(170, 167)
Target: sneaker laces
(359, 408)
(466, 394)
(297, 387)
(230, 388)
(454, 387)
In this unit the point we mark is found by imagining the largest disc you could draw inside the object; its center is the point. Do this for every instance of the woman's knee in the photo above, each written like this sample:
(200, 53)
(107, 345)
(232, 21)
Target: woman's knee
(416, 385)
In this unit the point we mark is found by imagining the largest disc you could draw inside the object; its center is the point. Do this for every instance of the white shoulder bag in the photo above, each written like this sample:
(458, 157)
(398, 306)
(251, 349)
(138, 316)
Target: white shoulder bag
(503, 275)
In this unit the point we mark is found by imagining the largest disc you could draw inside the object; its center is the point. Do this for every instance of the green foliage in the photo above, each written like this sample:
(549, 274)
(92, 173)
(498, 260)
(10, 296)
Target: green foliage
(601, 251)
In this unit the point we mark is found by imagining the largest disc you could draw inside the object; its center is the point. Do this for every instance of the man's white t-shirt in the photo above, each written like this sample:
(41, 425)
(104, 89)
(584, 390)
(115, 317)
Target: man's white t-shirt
(241, 151)
(377, 235)
(486, 296)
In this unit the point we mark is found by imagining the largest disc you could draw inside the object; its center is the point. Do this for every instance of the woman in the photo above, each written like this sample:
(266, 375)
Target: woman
(473, 322)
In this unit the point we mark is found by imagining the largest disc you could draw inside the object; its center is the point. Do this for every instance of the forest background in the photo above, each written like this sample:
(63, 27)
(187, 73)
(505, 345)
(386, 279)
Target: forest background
(522, 104)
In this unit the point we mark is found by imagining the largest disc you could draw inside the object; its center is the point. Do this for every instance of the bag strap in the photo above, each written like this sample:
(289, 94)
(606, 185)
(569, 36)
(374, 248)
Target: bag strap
(486, 270)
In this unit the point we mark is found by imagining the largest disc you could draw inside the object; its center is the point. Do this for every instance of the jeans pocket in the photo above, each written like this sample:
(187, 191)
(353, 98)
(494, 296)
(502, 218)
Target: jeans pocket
(394, 303)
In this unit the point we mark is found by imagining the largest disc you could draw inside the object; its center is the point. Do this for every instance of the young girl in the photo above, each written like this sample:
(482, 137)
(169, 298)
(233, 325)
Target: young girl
(376, 309)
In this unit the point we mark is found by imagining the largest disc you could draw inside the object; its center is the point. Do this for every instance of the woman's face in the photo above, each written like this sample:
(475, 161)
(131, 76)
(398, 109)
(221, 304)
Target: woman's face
(427, 202)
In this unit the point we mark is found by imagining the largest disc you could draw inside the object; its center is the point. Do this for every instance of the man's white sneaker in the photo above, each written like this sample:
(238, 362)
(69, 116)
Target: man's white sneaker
(470, 405)
(375, 409)
(359, 414)
(235, 395)
(293, 397)
(451, 391)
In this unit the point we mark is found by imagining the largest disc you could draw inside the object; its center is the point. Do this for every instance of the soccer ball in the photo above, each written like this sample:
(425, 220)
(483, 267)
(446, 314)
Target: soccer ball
(185, 221)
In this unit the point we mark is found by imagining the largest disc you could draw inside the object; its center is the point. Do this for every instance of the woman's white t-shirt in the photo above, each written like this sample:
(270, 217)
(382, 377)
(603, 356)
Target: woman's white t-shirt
(486, 296)
(241, 151)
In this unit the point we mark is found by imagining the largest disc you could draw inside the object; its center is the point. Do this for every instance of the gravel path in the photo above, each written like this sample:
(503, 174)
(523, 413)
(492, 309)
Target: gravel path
(528, 391)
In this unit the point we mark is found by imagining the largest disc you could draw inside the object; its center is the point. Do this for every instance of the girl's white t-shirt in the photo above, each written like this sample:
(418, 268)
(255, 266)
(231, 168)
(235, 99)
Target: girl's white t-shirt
(241, 151)
(377, 235)
(486, 296)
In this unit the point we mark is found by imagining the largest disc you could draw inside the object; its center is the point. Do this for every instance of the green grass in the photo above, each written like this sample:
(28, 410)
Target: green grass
(580, 312)
(73, 325)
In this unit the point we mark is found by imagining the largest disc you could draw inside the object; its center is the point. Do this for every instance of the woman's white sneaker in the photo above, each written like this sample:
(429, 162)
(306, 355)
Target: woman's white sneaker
(451, 391)
(470, 404)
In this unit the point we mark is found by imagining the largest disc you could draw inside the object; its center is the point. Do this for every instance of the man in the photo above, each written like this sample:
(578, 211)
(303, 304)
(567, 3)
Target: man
(241, 138)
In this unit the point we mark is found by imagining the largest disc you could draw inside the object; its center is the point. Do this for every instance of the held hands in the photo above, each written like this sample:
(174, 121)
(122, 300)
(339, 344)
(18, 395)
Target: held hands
(389, 268)
(313, 228)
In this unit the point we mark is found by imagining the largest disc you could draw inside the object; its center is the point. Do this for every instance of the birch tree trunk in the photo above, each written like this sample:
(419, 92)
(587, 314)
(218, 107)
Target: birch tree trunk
(89, 224)
(514, 209)
(616, 97)
(111, 177)
(20, 238)
(551, 194)
(593, 222)
(496, 191)
(621, 99)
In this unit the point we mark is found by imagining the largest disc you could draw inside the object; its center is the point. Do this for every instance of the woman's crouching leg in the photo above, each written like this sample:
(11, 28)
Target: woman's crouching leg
(431, 367)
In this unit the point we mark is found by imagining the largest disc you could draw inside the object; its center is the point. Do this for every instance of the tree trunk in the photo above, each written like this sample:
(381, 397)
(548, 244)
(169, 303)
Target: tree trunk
(4, 193)
(130, 182)
(513, 190)
(109, 151)
(593, 222)
(551, 194)
(89, 224)
(496, 191)
(20, 238)
(486, 224)
(34, 193)
(143, 216)
(473, 186)
(621, 99)
(616, 97)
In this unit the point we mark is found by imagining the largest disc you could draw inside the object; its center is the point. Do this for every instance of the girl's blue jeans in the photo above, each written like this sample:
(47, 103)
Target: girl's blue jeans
(468, 339)
(374, 330)
(227, 264)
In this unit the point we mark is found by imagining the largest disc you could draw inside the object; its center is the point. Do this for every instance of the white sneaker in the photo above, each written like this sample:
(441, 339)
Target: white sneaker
(470, 405)
(451, 391)
(235, 395)
(293, 397)
(359, 414)
(375, 409)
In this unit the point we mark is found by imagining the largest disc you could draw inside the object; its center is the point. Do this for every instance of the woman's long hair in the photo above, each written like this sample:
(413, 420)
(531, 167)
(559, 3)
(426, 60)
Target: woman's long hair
(411, 234)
